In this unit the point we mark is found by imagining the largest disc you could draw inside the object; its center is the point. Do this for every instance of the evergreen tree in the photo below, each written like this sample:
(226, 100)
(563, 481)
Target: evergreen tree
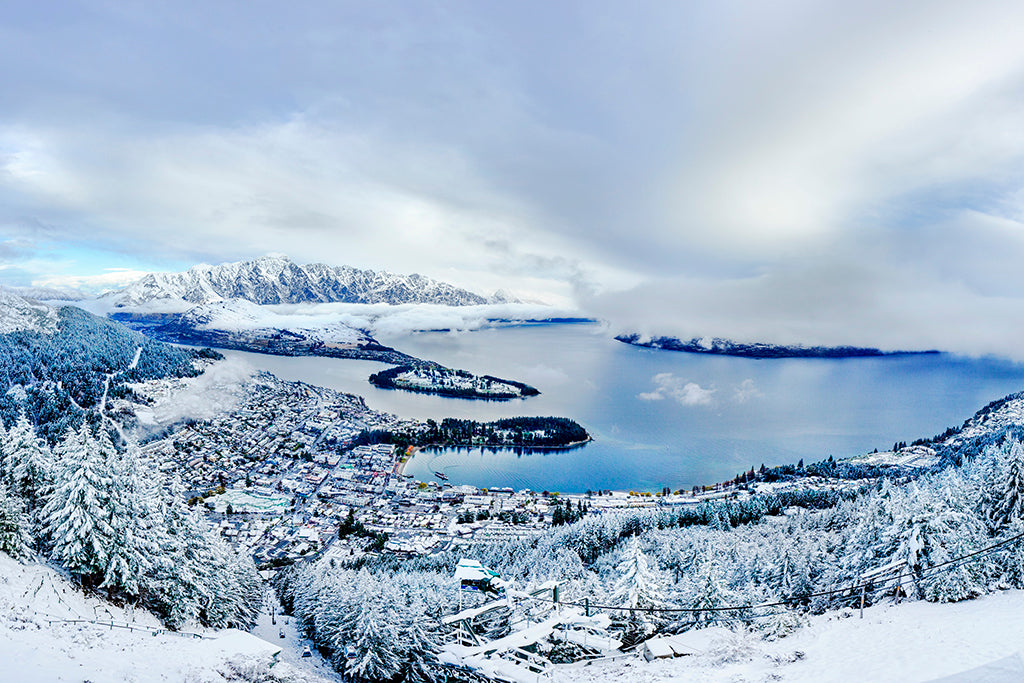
(1003, 500)
(133, 543)
(373, 639)
(932, 527)
(14, 536)
(177, 584)
(4, 436)
(639, 588)
(77, 516)
(29, 466)
(419, 627)
(710, 591)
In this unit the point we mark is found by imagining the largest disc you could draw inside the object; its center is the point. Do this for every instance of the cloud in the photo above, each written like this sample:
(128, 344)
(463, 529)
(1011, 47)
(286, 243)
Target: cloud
(385, 320)
(219, 389)
(746, 391)
(795, 172)
(112, 278)
(953, 286)
(15, 249)
(683, 392)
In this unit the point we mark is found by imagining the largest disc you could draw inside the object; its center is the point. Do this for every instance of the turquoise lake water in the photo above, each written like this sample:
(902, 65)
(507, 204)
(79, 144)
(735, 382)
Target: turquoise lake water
(662, 418)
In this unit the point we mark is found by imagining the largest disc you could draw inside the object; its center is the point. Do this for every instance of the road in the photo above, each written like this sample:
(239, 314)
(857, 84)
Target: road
(272, 623)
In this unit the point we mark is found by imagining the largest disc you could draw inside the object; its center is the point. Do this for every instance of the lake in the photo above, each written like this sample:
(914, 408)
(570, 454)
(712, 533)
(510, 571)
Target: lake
(663, 418)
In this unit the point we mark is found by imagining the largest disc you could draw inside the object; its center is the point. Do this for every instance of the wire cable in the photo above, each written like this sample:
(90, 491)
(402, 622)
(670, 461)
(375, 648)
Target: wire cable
(864, 588)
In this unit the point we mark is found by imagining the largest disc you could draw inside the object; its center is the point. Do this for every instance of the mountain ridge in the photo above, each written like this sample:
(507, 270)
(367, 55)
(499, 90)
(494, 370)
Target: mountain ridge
(278, 280)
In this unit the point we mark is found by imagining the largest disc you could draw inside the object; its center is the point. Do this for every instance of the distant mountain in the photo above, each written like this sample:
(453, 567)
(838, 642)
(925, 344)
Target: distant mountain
(245, 326)
(277, 280)
(47, 293)
(727, 347)
(18, 314)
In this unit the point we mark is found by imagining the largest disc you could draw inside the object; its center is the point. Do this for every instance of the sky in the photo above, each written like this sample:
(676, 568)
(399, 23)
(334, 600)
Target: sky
(793, 172)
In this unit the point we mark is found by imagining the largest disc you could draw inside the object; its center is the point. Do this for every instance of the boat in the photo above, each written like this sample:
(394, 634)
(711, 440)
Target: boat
(441, 475)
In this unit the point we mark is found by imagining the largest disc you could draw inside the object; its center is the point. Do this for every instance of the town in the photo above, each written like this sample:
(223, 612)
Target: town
(287, 474)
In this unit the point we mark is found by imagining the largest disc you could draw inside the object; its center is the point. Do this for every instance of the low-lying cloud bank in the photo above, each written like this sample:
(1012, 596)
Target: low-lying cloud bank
(377, 319)
(386, 320)
(218, 390)
(828, 305)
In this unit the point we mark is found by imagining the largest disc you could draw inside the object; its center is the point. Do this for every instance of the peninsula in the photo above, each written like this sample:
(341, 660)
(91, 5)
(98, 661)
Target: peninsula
(432, 378)
(532, 433)
(727, 347)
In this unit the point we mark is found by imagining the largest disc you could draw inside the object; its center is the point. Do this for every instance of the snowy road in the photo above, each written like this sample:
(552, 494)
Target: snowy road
(293, 643)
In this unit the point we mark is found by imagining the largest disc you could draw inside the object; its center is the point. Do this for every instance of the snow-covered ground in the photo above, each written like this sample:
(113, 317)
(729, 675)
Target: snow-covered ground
(985, 421)
(905, 643)
(433, 379)
(911, 456)
(40, 640)
(293, 644)
(17, 314)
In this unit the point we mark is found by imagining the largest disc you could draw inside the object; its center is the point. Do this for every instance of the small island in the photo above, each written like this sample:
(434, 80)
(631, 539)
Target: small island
(528, 433)
(431, 378)
(727, 347)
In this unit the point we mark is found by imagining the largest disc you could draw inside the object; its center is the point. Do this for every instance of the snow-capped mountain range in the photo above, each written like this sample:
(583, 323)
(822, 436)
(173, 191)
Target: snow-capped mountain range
(278, 280)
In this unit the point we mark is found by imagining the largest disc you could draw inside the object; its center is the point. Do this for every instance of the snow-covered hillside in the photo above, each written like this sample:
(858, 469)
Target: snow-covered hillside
(1005, 412)
(277, 280)
(239, 315)
(912, 642)
(18, 314)
(47, 293)
(50, 631)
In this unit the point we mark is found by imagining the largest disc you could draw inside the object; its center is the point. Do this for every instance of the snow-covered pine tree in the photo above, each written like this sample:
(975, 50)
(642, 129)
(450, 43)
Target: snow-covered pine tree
(3, 449)
(193, 574)
(637, 585)
(234, 586)
(418, 627)
(794, 577)
(29, 467)
(932, 525)
(14, 537)
(639, 588)
(778, 622)
(710, 591)
(14, 439)
(1010, 559)
(373, 636)
(77, 516)
(177, 586)
(326, 605)
(133, 542)
(1003, 498)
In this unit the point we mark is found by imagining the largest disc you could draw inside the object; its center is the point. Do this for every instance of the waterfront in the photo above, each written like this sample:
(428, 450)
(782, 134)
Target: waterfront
(662, 418)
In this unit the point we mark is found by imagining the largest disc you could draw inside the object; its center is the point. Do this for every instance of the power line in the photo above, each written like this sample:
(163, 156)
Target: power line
(853, 591)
